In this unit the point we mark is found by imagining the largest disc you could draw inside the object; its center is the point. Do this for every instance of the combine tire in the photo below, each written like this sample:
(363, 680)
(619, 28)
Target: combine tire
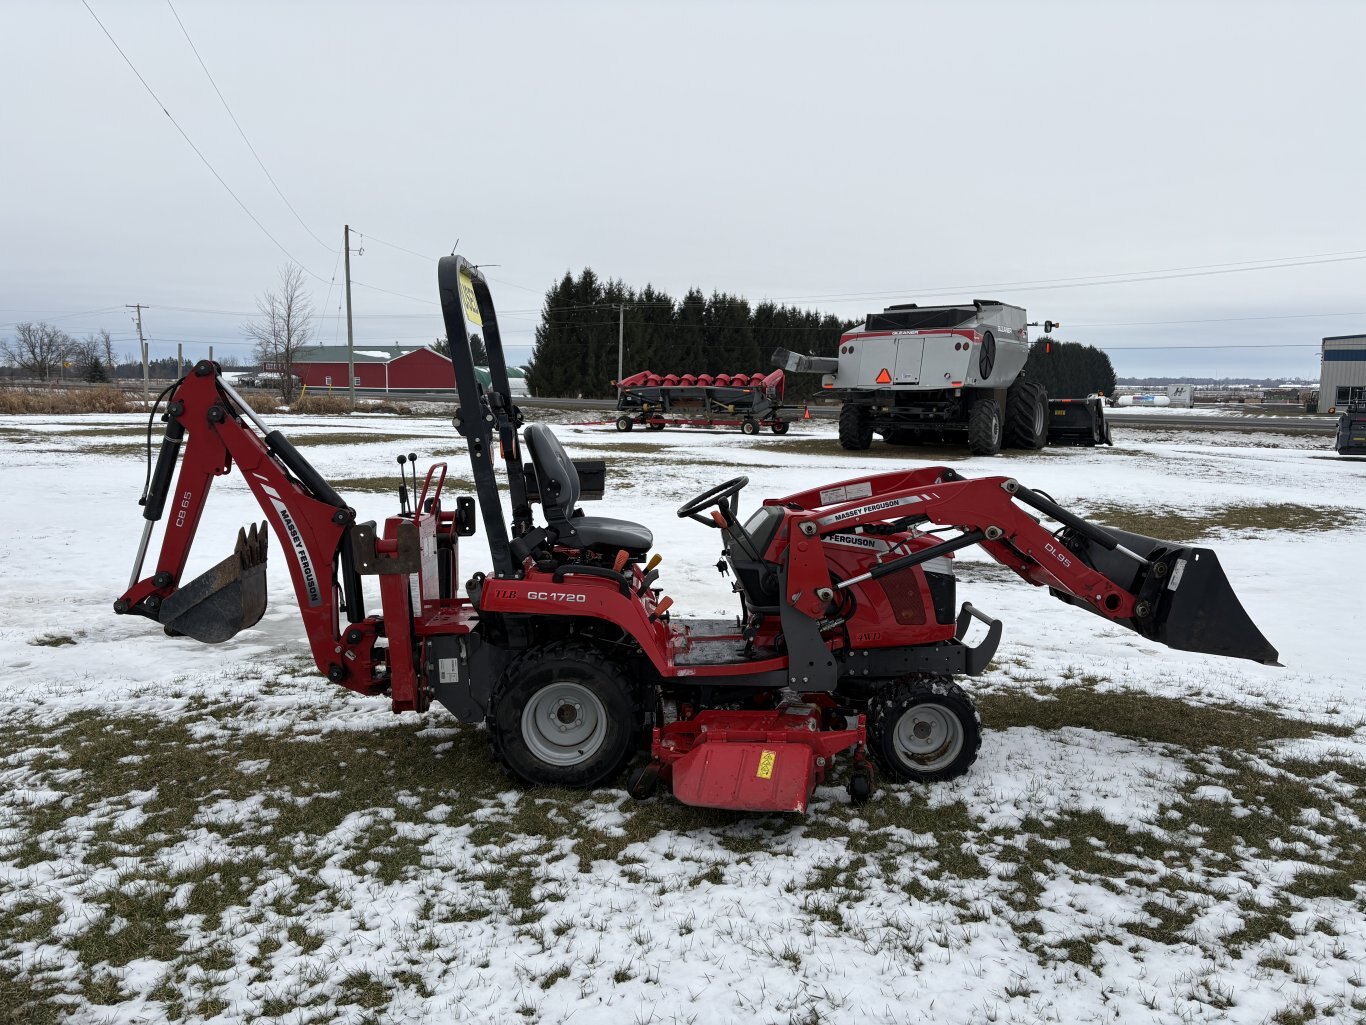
(564, 715)
(624, 423)
(856, 433)
(1026, 415)
(984, 428)
(749, 425)
(780, 427)
(924, 731)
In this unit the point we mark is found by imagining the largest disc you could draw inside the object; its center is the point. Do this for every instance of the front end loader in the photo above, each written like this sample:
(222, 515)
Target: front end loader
(849, 643)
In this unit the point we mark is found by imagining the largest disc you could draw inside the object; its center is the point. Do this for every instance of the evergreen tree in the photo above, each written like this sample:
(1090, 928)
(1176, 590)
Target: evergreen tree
(1070, 370)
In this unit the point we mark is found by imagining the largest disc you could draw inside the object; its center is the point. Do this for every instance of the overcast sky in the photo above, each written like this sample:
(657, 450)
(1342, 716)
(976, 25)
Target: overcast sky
(836, 155)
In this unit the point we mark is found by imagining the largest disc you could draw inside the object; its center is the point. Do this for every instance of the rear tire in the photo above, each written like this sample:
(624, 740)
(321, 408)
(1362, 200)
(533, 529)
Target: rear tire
(856, 432)
(924, 731)
(652, 426)
(564, 715)
(780, 427)
(624, 423)
(749, 426)
(984, 428)
(1026, 415)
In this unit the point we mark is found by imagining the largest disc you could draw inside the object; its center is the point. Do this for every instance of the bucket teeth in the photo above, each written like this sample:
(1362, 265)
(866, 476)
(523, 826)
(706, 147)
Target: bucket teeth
(251, 545)
(227, 598)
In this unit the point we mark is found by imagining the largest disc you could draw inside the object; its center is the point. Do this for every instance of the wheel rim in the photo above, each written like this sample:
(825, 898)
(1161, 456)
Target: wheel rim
(928, 736)
(564, 723)
(1039, 419)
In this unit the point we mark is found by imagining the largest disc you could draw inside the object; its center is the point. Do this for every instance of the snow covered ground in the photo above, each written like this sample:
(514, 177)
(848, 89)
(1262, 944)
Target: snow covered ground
(195, 833)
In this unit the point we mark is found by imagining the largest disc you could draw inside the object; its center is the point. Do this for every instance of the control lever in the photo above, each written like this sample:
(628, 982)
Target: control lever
(402, 486)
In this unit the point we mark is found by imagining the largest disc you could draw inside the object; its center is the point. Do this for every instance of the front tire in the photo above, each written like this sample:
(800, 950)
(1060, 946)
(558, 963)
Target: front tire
(780, 427)
(564, 715)
(924, 731)
(624, 423)
(749, 426)
(856, 432)
(984, 428)
(1026, 415)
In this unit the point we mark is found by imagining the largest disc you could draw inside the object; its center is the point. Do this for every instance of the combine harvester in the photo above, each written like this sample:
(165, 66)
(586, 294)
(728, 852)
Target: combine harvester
(847, 644)
(916, 374)
(747, 401)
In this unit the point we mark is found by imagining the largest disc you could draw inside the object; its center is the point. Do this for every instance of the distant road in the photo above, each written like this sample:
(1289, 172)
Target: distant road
(1308, 425)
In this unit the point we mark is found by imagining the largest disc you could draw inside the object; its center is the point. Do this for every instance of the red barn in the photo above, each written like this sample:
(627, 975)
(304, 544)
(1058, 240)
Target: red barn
(381, 367)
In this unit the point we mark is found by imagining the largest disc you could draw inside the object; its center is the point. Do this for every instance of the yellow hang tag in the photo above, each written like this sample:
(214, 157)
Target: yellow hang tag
(468, 300)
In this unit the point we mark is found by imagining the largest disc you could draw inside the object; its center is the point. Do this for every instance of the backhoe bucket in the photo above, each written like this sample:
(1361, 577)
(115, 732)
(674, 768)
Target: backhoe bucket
(1183, 598)
(227, 599)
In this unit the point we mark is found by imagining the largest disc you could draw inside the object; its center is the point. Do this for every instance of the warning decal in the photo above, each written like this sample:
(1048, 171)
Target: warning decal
(766, 760)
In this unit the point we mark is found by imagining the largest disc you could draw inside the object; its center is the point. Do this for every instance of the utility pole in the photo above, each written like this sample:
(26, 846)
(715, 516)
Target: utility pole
(142, 345)
(350, 336)
(621, 340)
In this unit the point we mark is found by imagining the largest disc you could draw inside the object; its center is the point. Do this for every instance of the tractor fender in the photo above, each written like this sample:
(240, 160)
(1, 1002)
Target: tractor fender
(582, 597)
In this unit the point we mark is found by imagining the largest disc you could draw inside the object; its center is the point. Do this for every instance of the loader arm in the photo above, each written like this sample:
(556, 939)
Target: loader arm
(309, 519)
(1169, 592)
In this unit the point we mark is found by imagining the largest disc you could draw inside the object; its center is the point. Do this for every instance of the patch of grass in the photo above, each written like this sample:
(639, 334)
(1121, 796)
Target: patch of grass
(366, 990)
(1171, 525)
(1142, 716)
(389, 486)
(26, 999)
(98, 399)
(53, 640)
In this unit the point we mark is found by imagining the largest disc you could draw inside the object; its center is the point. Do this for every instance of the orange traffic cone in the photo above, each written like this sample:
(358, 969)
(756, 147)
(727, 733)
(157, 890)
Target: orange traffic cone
(806, 412)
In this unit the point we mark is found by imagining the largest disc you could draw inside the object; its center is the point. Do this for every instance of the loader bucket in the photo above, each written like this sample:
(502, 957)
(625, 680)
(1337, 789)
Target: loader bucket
(218, 604)
(1184, 600)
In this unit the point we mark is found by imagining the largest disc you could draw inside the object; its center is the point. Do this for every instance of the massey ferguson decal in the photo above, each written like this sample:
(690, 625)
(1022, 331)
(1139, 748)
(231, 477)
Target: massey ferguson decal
(864, 510)
(296, 540)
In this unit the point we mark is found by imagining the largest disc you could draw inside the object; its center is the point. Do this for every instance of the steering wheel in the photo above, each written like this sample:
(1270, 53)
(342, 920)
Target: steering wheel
(715, 496)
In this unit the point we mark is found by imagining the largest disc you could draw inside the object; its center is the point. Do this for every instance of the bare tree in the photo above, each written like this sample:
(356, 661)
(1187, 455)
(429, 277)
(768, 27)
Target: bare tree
(37, 349)
(285, 326)
(93, 357)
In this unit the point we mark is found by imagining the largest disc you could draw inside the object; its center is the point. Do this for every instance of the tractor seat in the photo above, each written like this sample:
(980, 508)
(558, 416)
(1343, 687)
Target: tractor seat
(558, 481)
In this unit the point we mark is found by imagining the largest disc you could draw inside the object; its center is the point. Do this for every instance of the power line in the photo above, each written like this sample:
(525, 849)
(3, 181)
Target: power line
(242, 132)
(192, 146)
(425, 257)
(429, 302)
(1087, 281)
(428, 258)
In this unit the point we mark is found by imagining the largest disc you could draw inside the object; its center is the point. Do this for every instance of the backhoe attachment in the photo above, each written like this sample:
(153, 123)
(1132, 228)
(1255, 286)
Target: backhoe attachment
(215, 606)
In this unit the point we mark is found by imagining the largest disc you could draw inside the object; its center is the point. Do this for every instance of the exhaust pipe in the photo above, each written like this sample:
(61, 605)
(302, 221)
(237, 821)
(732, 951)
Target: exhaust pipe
(227, 599)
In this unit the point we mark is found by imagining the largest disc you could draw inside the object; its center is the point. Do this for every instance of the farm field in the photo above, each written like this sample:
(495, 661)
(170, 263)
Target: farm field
(193, 833)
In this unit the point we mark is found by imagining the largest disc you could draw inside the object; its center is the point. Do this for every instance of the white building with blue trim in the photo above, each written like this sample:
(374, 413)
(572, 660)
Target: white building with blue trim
(1343, 371)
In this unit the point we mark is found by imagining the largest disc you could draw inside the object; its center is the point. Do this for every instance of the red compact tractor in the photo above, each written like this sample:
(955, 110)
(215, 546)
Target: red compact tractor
(847, 644)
